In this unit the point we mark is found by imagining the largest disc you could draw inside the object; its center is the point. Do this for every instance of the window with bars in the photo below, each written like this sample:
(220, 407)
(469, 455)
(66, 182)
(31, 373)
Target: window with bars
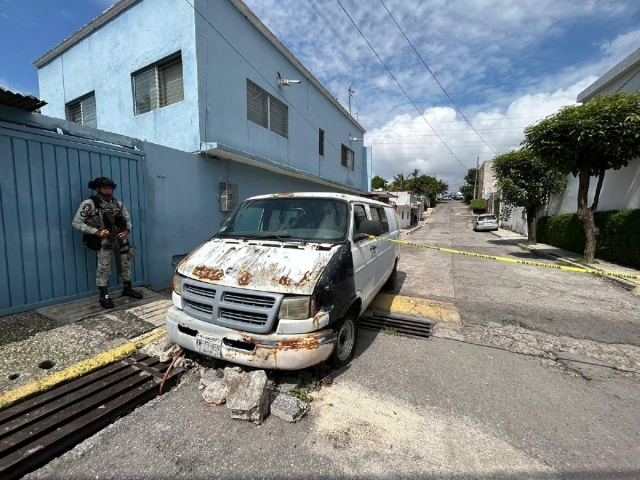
(321, 142)
(346, 158)
(266, 110)
(158, 85)
(83, 110)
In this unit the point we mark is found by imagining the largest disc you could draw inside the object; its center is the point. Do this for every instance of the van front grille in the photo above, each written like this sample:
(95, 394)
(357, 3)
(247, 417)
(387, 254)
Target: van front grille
(250, 300)
(244, 317)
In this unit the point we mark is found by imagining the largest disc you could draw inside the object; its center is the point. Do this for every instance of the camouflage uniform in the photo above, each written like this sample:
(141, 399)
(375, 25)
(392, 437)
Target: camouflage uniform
(89, 220)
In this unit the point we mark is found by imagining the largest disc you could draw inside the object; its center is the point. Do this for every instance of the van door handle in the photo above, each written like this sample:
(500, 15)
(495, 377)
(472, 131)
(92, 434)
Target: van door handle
(372, 247)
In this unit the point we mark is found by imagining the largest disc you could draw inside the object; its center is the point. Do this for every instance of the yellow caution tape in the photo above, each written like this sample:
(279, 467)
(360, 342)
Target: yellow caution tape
(513, 260)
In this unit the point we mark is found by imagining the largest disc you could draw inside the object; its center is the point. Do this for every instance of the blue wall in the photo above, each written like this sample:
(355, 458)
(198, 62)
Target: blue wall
(183, 210)
(104, 61)
(222, 76)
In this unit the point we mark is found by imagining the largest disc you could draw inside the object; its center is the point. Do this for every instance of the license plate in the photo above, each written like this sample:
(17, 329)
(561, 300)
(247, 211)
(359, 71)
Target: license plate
(209, 346)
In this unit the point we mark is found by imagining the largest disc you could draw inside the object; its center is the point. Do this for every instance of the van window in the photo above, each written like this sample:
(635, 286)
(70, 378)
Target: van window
(309, 219)
(359, 216)
(382, 217)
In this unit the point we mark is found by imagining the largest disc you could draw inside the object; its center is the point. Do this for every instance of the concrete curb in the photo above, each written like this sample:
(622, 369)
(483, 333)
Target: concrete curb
(75, 371)
(420, 225)
(626, 284)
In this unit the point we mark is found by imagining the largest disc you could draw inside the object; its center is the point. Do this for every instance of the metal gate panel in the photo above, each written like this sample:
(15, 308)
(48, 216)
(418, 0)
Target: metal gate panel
(43, 179)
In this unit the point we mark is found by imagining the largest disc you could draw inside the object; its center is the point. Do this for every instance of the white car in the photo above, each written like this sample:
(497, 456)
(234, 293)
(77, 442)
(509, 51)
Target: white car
(485, 222)
(284, 281)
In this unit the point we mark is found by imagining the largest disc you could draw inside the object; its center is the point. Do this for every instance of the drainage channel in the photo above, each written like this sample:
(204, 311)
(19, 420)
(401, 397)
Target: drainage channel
(400, 324)
(45, 426)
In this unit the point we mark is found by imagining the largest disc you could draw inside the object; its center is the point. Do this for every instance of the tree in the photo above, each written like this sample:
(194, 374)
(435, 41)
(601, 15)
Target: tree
(586, 141)
(400, 183)
(378, 182)
(527, 182)
(467, 190)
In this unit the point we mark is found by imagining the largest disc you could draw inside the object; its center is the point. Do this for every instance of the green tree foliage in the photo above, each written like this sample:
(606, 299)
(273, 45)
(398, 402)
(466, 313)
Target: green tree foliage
(586, 141)
(378, 182)
(467, 189)
(527, 182)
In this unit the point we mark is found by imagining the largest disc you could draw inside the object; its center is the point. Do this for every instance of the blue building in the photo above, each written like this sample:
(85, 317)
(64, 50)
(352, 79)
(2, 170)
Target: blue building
(206, 77)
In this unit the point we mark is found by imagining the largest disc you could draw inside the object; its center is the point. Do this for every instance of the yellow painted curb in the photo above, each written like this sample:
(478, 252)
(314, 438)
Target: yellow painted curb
(636, 291)
(438, 311)
(74, 371)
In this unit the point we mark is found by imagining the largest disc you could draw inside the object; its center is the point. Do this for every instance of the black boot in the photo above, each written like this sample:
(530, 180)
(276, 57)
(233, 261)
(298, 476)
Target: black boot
(105, 301)
(127, 291)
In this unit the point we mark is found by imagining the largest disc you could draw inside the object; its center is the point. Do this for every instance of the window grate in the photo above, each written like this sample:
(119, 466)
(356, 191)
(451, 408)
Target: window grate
(321, 142)
(346, 158)
(266, 110)
(83, 110)
(158, 85)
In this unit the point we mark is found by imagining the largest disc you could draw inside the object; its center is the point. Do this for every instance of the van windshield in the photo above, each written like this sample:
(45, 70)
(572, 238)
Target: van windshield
(306, 219)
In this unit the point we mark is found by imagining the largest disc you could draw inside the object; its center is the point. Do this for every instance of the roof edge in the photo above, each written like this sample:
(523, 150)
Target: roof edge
(120, 7)
(619, 69)
(84, 31)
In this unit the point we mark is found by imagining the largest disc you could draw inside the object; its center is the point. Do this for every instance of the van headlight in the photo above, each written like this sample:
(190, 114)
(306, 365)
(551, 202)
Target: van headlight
(176, 284)
(296, 308)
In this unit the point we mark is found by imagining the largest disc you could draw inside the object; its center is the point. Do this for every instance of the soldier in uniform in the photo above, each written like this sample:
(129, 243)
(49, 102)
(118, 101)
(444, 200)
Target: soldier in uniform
(101, 216)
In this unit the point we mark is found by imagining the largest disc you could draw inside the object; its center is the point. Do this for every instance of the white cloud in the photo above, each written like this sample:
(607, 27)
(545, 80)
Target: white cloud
(486, 54)
(406, 142)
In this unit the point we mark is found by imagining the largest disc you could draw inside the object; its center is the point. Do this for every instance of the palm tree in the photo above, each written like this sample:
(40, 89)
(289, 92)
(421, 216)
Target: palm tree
(399, 183)
(415, 173)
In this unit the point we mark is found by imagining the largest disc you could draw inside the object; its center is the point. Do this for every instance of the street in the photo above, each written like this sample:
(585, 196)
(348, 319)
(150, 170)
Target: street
(493, 397)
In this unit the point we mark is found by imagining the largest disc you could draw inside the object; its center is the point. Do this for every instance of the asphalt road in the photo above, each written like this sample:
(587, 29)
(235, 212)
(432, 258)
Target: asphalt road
(410, 408)
(485, 291)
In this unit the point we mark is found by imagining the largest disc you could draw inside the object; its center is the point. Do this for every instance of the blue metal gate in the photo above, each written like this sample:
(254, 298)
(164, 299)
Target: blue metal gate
(43, 179)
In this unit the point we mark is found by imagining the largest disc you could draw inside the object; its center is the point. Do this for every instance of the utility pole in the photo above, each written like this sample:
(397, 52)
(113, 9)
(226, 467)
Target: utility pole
(475, 184)
(351, 92)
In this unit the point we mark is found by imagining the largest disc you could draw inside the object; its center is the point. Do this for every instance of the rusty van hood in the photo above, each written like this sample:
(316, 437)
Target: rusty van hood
(266, 266)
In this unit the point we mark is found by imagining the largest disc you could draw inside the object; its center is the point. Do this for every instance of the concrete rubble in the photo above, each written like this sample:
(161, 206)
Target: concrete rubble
(216, 392)
(288, 408)
(248, 398)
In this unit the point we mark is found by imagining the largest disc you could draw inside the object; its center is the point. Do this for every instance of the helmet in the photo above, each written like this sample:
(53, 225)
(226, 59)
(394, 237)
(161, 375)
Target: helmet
(102, 182)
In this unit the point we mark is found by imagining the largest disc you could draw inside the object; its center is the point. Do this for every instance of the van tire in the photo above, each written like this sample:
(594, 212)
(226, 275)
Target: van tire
(392, 281)
(347, 330)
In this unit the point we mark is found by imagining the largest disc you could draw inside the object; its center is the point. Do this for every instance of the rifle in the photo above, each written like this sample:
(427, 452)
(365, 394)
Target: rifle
(114, 231)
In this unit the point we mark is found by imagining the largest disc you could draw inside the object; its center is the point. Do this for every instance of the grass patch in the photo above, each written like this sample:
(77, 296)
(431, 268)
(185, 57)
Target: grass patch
(390, 331)
(301, 395)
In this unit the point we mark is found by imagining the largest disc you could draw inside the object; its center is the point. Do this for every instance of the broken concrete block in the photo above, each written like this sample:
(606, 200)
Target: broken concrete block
(288, 408)
(230, 373)
(248, 398)
(216, 392)
(209, 376)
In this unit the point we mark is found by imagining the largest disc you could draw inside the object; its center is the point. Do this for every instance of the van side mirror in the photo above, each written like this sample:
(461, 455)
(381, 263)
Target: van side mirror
(368, 228)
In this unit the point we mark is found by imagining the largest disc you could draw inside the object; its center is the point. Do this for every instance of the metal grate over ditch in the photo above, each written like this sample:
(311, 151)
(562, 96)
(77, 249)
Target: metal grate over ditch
(399, 324)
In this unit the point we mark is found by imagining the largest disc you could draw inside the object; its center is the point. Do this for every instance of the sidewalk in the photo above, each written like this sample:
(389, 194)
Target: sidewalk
(572, 259)
(45, 342)
(426, 216)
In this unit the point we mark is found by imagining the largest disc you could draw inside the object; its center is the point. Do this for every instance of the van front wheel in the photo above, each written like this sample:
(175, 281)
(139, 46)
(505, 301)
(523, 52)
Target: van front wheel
(347, 330)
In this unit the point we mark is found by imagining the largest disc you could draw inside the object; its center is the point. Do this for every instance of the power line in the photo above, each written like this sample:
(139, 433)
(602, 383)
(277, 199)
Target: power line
(373, 81)
(267, 81)
(435, 78)
(398, 83)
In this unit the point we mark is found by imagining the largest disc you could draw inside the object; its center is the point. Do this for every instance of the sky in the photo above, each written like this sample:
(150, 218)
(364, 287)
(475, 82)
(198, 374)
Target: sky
(505, 64)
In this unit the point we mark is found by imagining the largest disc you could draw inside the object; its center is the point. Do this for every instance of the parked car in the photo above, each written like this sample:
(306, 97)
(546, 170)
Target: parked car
(284, 281)
(485, 222)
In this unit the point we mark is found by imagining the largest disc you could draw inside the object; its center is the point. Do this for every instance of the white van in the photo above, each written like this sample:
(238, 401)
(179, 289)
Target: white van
(284, 281)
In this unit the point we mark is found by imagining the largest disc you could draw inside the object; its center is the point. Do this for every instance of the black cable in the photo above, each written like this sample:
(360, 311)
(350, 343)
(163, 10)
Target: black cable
(384, 95)
(436, 79)
(398, 83)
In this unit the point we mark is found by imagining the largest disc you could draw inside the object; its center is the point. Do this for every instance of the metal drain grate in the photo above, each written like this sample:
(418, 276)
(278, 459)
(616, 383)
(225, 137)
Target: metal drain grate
(401, 324)
(43, 427)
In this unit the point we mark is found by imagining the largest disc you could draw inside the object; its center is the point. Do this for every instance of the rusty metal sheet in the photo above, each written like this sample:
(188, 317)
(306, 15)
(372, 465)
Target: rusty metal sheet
(255, 266)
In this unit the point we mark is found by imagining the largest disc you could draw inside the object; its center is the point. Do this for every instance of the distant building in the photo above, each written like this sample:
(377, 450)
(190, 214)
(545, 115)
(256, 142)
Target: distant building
(380, 195)
(409, 208)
